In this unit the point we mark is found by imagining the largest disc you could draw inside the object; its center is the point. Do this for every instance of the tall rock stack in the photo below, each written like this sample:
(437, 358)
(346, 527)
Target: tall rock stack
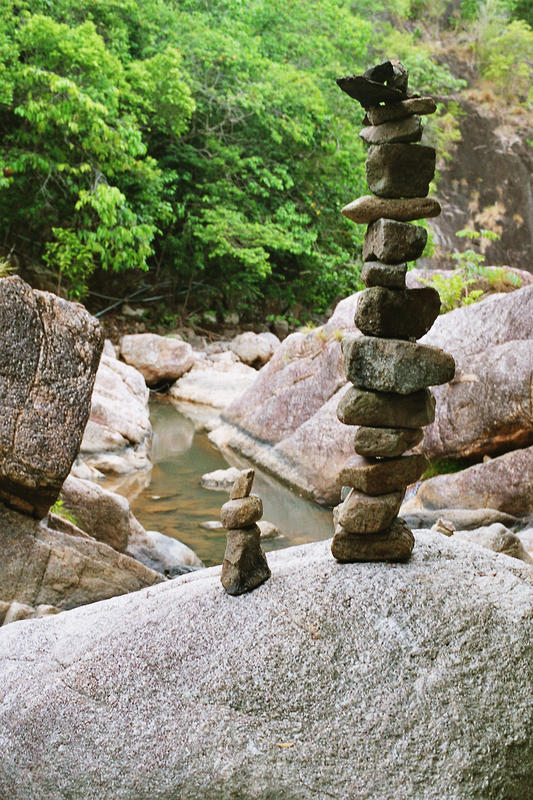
(245, 566)
(389, 371)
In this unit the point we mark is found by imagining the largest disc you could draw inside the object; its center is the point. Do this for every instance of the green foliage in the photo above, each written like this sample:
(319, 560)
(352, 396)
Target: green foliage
(65, 513)
(454, 291)
(444, 466)
(207, 142)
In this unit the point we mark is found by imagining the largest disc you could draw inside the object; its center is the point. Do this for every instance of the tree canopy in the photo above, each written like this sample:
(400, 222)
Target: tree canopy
(203, 140)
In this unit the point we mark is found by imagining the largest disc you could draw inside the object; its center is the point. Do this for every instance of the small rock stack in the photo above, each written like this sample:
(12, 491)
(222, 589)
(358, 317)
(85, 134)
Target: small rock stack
(245, 566)
(389, 371)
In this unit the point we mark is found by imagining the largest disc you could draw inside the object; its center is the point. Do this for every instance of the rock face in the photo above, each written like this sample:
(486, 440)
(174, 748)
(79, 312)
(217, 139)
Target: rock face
(424, 655)
(118, 435)
(158, 358)
(64, 568)
(49, 355)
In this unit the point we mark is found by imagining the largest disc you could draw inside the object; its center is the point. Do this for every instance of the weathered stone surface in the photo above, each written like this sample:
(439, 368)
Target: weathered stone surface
(305, 371)
(213, 383)
(103, 515)
(393, 242)
(504, 483)
(242, 485)
(161, 553)
(386, 442)
(498, 538)
(381, 477)
(394, 544)
(118, 435)
(377, 115)
(245, 566)
(255, 349)
(363, 513)
(392, 365)
(385, 409)
(40, 565)
(487, 407)
(369, 208)
(400, 170)
(408, 129)
(158, 358)
(416, 653)
(49, 355)
(374, 273)
(220, 479)
(392, 72)
(241, 513)
(397, 313)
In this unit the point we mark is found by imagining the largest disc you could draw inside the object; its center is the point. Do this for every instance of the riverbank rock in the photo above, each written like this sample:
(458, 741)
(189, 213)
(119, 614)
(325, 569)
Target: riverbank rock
(255, 349)
(504, 483)
(422, 684)
(214, 382)
(118, 435)
(158, 358)
(49, 353)
(61, 567)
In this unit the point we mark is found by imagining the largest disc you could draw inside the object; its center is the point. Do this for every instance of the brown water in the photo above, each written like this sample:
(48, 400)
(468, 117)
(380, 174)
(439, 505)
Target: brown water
(175, 504)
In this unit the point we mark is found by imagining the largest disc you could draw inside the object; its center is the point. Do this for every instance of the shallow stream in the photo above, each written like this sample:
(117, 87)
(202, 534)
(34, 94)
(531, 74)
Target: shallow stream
(176, 504)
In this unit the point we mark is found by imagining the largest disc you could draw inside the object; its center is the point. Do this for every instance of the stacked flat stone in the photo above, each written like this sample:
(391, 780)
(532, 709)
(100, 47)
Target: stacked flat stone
(390, 372)
(245, 566)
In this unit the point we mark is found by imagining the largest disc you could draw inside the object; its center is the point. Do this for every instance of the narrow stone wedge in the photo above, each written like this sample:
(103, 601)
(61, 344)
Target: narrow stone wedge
(374, 273)
(241, 513)
(245, 566)
(393, 242)
(394, 544)
(408, 129)
(243, 485)
(397, 313)
(400, 170)
(381, 477)
(377, 115)
(369, 208)
(385, 409)
(363, 513)
(386, 442)
(393, 365)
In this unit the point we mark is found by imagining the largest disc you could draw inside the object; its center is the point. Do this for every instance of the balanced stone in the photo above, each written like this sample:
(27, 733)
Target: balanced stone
(394, 544)
(405, 130)
(385, 409)
(397, 313)
(245, 566)
(394, 365)
(242, 485)
(382, 477)
(377, 115)
(391, 72)
(369, 208)
(374, 273)
(365, 513)
(400, 170)
(393, 242)
(241, 513)
(367, 92)
(386, 442)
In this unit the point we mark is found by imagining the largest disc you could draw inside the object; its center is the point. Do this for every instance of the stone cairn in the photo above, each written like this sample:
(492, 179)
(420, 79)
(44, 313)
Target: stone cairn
(245, 566)
(389, 370)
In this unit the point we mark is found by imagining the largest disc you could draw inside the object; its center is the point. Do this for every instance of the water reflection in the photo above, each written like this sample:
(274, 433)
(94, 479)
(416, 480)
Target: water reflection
(175, 504)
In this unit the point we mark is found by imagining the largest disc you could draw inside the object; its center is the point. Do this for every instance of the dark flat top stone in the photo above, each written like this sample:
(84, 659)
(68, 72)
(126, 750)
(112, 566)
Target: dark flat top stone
(369, 93)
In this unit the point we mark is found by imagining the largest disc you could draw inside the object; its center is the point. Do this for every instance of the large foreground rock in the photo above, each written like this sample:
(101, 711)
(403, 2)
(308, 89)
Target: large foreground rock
(60, 568)
(350, 681)
(49, 354)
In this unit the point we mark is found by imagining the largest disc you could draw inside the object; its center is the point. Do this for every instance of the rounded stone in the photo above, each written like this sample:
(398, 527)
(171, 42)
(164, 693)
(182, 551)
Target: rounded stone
(394, 544)
(386, 442)
(386, 409)
(369, 208)
(363, 513)
(384, 476)
(241, 513)
(408, 129)
(397, 313)
(400, 170)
